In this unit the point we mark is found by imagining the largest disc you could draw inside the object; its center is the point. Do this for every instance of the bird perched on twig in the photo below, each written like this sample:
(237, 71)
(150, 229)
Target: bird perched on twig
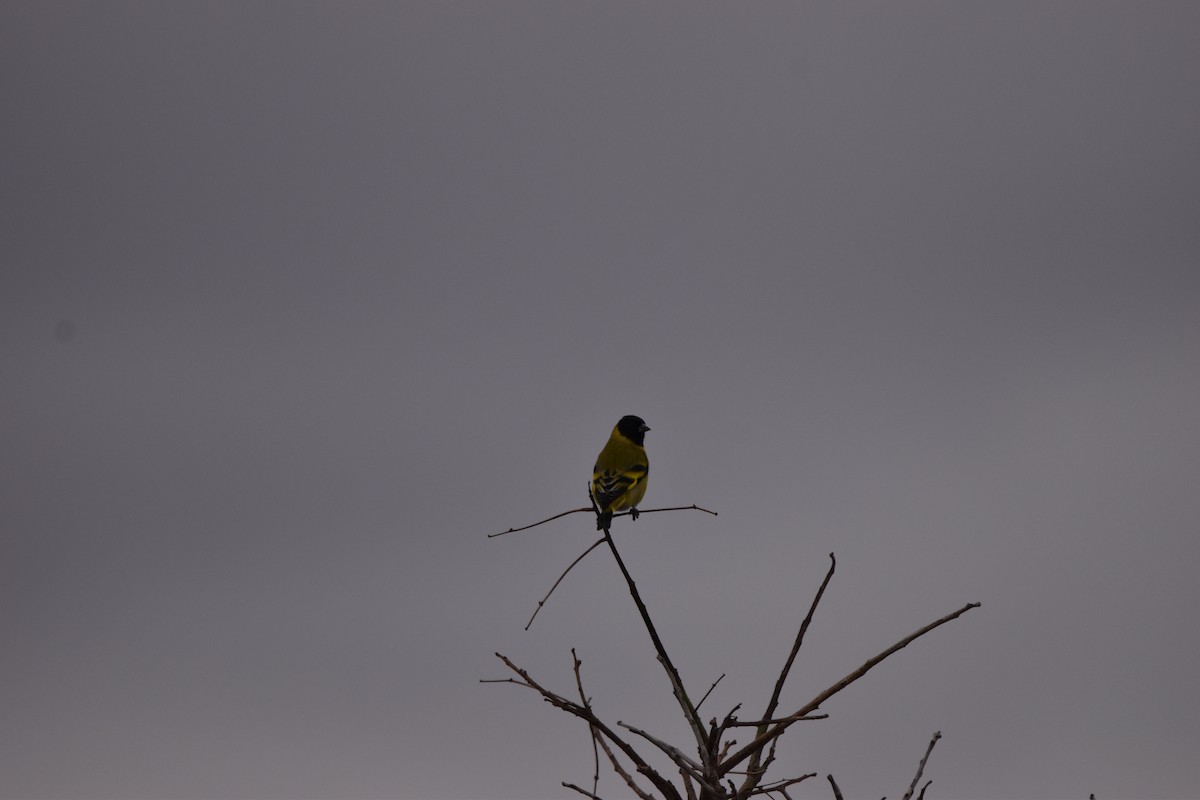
(619, 477)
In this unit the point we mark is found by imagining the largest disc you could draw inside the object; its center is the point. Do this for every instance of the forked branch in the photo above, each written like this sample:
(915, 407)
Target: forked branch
(664, 786)
(775, 731)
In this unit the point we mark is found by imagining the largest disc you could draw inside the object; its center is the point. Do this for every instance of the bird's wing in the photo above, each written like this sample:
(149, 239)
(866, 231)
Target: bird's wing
(609, 486)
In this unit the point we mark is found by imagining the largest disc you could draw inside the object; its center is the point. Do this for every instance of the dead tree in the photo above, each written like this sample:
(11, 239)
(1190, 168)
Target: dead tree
(709, 768)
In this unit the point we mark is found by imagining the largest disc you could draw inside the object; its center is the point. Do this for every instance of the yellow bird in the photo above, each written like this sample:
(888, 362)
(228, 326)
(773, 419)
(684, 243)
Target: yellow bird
(619, 477)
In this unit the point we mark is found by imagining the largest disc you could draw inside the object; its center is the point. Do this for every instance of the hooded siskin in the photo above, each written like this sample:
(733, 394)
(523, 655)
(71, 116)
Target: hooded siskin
(619, 477)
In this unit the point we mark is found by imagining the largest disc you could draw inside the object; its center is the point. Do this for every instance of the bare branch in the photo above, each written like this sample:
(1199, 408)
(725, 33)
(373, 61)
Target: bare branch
(717, 731)
(535, 524)
(576, 663)
(812, 705)
(674, 753)
(664, 786)
(513, 681)
(692, 507)
(703, 778)
(617, 768)
(787, 667)
(542, 602)
(706, 694)
(581, 791)
(766, 764)
(921, 767)
(599, 740)
(689, 710)
(764, 722)
(757, 768)
(779, 786)
(691, 790)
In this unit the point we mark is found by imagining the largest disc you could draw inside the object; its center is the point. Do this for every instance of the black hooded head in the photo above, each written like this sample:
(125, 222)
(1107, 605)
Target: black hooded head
(633, 428)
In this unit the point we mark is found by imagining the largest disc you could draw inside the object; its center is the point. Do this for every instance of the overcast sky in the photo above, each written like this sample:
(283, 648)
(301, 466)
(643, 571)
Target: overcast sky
(300, 301)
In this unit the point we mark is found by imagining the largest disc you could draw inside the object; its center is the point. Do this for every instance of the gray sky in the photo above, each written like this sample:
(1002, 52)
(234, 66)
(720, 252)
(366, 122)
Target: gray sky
(301, 301)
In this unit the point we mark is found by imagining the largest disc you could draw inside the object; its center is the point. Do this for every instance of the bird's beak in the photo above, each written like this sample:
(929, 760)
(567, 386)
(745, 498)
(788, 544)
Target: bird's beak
(644, 428)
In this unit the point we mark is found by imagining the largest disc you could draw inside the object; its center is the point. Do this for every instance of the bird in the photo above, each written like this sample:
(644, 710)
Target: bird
(619, 477)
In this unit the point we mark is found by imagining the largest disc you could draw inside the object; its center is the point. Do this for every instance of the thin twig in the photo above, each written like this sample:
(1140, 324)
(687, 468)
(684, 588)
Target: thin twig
(617, 768)
(506, 680)
(837, 792)
(591, 728)
(542, 602)
(779, 786)
(706, 694)
(812, 705)
(581, 791)
(692, 507)
(921, 796)
(764, 722)
(535, 524)
(787, 667)
(758, 767)
(912, 787)
(599, 740)
(767, 762)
